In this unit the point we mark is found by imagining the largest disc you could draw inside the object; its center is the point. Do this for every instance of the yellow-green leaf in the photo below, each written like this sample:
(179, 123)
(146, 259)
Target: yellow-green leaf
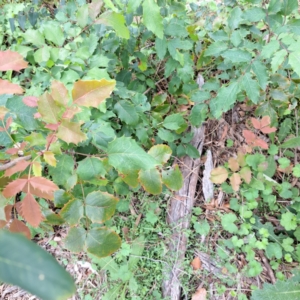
(218, 175)
(172, 178)
(151, 181)
(70, 132)
(48, 109)
(161, 153)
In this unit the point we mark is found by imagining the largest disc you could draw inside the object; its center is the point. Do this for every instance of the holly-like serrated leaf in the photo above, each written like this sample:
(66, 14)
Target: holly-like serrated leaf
(161, 153)
(18, 226)
(18, 167)
(251, 87)
(14, 187)
(10, 60)
(263, 125)
(126, 112)
(75, 240)
(172, 178)
(152, 18)
(70, 132)
(100, 206)
(260, 71)
(245, 174)
(102, 242)
(116, 21)
(49, 158)
(126, 155)
(233, 164)
(48, 109)
(7, 87)
(54, 34)
(151, 181)
(92, 93)
(219, 175)
(225, 98)
(31, 211)
(59, 93)
(46, 186)
(72, 212)
(235, 181)
(253, 141)
(90, 168)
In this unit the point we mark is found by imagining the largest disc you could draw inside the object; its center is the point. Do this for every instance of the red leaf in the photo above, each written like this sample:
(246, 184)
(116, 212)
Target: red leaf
(12, 151)
(31, 211)
(18, 167)
(8, 122)
(43, 185)
(14, 187)
(2, 129)
(7, 87)
(52, 126)
(2, 224)
(253, 141)
(37, 115)
(263, 125)
(71, 112)
(7, 210)
(10, 60)
(31, 101)
(20, 227)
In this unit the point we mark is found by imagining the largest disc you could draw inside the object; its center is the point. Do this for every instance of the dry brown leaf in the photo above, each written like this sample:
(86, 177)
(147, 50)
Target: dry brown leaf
(196, 263)
(200, 294)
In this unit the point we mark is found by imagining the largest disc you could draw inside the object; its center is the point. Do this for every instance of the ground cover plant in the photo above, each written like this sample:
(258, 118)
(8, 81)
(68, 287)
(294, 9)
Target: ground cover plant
(97, 99)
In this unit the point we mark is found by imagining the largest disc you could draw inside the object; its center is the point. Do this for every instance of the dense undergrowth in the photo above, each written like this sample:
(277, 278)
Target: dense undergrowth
(109, 93)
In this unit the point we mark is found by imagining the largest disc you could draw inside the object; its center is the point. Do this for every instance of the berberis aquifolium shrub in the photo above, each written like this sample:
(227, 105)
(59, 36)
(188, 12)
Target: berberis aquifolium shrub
(110, 91)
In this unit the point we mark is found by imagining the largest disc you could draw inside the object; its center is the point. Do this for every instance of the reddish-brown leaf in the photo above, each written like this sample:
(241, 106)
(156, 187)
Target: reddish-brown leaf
(31, 101)
(8, 122)
(71, 112)
(31, 211)
(2, 129)
(235, 181)
(59, 93)
(18, 208)
(18, 167)
(37, 115)
(7, 87)
(52, 126)
(10, 60)
(253, 141)
(200, 294)
(241, 159)
(12, 151)
(14, 187)
(233, 164)
(20, 227)
(2, 224)
(7, 211)
(263, 125)
(196, 263)
(43, 185)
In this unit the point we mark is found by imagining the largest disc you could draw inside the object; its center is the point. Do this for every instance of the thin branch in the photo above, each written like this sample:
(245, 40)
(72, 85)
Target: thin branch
(13, 162)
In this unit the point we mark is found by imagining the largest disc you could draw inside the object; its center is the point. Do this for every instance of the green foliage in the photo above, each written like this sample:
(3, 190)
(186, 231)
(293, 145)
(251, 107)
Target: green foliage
(25, 264)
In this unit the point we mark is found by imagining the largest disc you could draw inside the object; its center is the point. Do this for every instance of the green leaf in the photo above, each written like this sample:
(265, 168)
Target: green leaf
(63, 170)
(228, 223)
(274, 250)
(296, 170)
(260, 71)
(75, 239)
(294, 61)
(225, 99)
(53, 33)
(72, 212)
(198, 114)
(161, 153)
(161, 47)
(152, 18)
(291, 143)
(116, 21)
(237, 55)
(102, 242)
(48, 109)
(173, 122)
(172, 178)
(34, 37)
(132, 5)
(270, 48)
(251, 87)
(278, 59)
(216, 48)
(288, 221)
(42, 54)
(281, 289)
(126, 155)
(100, 206)
(126, 112)
(235, 18)
(151, 181)
(289, 6)
(90, 168)
(254, 14)
(33, 269)
(82, 15)
(274, 6)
